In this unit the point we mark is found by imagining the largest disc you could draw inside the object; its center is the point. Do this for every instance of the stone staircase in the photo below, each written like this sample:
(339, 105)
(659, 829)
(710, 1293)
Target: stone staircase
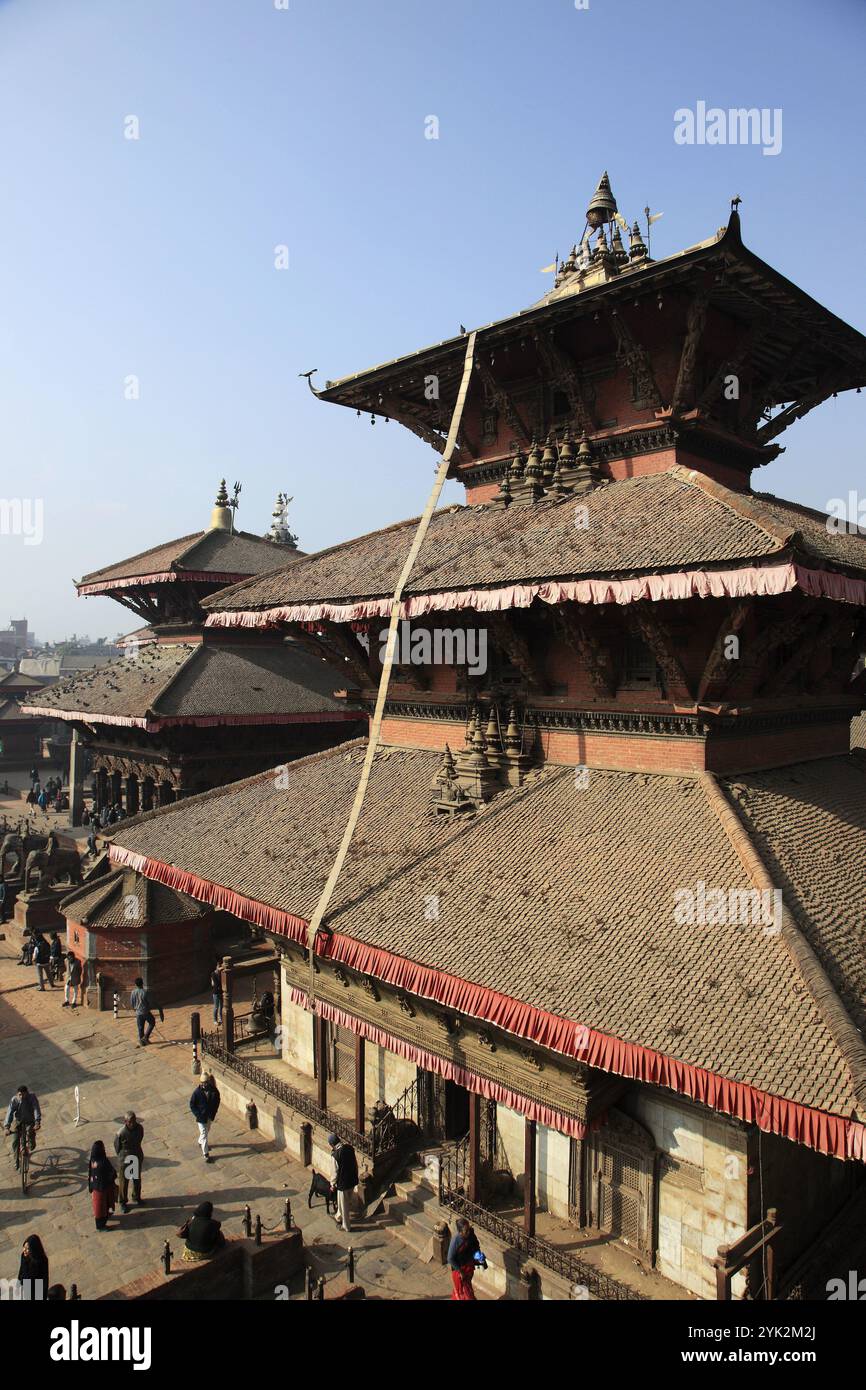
(413, 1211)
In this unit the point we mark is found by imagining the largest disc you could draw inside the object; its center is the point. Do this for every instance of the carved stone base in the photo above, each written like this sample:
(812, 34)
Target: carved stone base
(40, 911)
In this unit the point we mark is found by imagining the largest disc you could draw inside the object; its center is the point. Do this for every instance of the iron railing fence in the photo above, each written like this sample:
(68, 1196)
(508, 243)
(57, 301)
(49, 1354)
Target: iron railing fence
(385, 1135)
(453, 1178)
(289, 1095)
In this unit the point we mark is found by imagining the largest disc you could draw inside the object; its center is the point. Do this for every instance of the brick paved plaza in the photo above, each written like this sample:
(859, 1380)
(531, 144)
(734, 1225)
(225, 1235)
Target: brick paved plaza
(52, 1049)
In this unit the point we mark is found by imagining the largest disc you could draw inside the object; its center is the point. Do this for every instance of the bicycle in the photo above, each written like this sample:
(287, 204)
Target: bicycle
(25, 1148)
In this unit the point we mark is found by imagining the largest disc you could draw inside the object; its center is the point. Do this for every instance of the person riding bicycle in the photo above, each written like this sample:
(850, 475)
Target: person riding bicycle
(23, 1113)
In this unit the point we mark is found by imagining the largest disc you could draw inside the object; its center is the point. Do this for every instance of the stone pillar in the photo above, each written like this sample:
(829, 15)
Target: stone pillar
(474, 1146)
(359, 1083)
(76, 779)
(321, 1036)
(529, 1165)
(227, 979)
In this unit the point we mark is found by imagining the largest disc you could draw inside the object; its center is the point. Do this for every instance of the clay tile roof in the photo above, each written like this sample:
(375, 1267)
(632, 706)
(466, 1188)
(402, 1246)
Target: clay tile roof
(662, 521)
(223, 552)
(533, 904)
(182, 681)
(125, 687)
(125, 899)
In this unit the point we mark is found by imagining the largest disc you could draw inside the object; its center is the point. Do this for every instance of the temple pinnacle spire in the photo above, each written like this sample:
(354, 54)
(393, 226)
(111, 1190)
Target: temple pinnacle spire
(221, 515)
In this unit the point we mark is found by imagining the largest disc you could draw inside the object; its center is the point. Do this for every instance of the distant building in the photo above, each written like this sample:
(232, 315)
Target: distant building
(185, 708)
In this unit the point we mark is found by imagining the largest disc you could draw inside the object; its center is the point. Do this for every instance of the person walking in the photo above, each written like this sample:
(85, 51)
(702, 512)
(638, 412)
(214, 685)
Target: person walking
(101, 1184)
(144, 1019)
(23, 1113)
(73, 981)
(91, 840)
(345, 1179)
(127, 1146)
(55, 958)
(2, 902)
(204, 1104)
(42, 960)
(461, 1260)
(216, 990)
(33, 1270)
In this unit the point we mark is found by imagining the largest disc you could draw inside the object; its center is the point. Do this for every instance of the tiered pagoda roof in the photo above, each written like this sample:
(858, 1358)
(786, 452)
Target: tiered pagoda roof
(583, 934)
(212, 557)
(556, 905)
(168, 684)
(657, 524)
(107, 903)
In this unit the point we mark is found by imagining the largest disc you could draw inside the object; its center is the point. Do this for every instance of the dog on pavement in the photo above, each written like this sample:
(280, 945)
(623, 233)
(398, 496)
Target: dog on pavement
(320, 1187)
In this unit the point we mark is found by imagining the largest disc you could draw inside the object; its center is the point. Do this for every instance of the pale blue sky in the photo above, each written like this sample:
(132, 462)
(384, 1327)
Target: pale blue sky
(260, 127)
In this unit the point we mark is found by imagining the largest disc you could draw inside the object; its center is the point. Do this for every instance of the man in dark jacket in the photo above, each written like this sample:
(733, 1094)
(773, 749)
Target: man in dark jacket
(345, 1179)
(127, 1146)
(23, 1113)
(204, 1104)
(41, 959)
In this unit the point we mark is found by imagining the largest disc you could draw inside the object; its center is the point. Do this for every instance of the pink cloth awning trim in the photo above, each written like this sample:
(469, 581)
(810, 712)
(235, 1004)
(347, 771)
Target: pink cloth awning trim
(491, 1090)
(830, 1134)
(199, 721)
(135, 581)
(747, 581)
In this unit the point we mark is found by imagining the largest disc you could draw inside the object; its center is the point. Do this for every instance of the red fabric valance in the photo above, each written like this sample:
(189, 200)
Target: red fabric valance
(748, 580)
(830, 1134)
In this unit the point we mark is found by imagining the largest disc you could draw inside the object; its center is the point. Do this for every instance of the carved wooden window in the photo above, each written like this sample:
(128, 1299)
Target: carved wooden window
(639, 665)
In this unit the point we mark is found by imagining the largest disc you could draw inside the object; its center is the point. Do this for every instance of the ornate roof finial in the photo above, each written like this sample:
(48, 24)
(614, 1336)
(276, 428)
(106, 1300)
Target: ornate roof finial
(637, 250)
(280, 533)
(603, 204)
(221, 515)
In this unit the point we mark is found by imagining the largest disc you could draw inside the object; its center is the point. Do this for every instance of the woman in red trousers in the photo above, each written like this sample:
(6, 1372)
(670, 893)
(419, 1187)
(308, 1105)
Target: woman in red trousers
(101, 1184)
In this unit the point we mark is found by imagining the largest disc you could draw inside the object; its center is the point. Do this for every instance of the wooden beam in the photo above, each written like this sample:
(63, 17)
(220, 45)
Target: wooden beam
(337, 646)
(562, 372)
(719, 666)
(765, 642)
(473, 1176)
(511, 640)
(647, 624)
(634, 357)
(410, 416)
(502, 400)
(529, 1154)
(577, 632)
(320, 1036)
(684, 391)
(795, 411)
(776, 682)
(360, 1080)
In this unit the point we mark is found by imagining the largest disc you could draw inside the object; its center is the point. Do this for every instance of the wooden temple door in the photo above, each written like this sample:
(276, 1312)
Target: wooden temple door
(620, 1173)
(341, 1054)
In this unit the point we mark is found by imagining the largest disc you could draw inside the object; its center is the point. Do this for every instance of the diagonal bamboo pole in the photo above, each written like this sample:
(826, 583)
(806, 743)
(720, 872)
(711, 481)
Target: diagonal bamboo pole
(385, 680)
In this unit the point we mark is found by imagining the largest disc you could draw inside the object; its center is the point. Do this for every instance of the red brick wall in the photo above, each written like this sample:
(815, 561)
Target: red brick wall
(644, 752)
(243, 1270)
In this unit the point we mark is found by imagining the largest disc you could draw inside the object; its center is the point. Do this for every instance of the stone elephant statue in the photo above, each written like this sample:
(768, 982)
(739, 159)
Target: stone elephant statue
(52, 864)
(17, 845)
